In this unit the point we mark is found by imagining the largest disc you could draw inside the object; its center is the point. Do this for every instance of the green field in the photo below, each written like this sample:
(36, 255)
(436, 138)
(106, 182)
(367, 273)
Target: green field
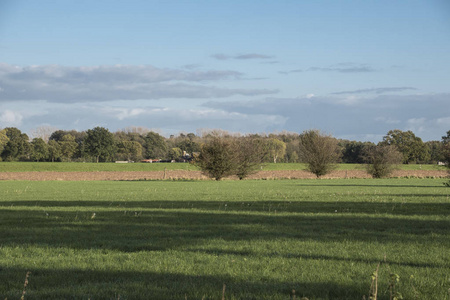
(93, 167)
(185, 239)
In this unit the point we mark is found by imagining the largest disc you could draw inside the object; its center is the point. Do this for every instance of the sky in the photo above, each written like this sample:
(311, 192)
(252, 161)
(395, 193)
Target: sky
(353, 69)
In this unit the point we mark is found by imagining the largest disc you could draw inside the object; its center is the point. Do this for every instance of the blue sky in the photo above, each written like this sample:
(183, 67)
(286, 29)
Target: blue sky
(354, 69)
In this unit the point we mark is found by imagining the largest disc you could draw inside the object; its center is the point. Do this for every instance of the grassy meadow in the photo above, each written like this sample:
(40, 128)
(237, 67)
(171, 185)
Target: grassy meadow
(94, 167)
(262, 238)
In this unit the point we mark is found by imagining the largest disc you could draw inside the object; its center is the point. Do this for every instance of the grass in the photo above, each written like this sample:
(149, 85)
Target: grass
(178, 240)
(94, 167)
(90, 167)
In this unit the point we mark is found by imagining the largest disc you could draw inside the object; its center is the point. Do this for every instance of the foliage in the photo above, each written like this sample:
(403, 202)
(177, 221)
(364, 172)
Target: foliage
(319, 151)
(130, 150)
(39, 149)
(353, 151)
(175, 153)
(275, 148)
(218, 158)
(100, 143)
(382, 160)
(446, 153)
(411, 147)
(155, 145)
(68, 147)
(436, 151)
(17, 147)
(3, 140)
(54, 150)
(250, 153)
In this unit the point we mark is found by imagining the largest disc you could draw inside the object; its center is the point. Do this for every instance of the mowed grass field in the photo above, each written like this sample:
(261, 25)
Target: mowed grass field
(261, 238)
(94, 167)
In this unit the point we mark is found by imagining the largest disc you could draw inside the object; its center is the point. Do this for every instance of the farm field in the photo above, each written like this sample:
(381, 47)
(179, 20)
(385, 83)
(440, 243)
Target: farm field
(261, 238)
(113, 167)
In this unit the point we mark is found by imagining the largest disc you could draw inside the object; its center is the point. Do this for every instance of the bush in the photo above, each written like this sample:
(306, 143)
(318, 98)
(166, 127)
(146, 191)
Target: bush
(382, 160)
(217, 158)
(319, 151)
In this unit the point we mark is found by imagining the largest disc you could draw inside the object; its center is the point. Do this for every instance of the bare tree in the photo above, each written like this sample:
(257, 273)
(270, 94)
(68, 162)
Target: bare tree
(382, 160)
(319, 151)
(43, 132)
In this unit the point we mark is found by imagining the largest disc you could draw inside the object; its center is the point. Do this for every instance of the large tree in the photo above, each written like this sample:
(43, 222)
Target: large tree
(3, 140)
(155, 145)
(54, 150)
(39, 149)
(412, 147)
(130, 150)
(68, 147)
(319, 151)
(353, 151)
(99, 143)
(17, 146)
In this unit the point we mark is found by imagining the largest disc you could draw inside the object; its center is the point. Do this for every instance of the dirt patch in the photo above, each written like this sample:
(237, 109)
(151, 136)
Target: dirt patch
(183, 174)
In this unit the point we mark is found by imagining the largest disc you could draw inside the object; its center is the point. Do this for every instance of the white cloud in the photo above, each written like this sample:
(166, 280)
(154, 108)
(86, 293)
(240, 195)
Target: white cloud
(10, 118)
(443, 121)
(61, 84)
(340, 115)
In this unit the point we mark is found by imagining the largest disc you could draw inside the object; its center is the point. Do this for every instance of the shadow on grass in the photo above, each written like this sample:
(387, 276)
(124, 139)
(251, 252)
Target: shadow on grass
(131, 231)
(399, 206)
(316, 257)
(79, 284)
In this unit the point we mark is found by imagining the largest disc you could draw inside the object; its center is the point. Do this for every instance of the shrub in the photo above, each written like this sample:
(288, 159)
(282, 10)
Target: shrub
(382, 160)
(319, 151)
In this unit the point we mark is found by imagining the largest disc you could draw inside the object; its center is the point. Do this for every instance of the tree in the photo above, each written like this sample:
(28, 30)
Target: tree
(43, 132)
(155, 145)
(68, 147)
(250, 153)
(39, 149)
(275, 148)
(446, 153)
(412, 148)
(436, 150)
(99, 143)
(381, 160)
(3, 140)
(131, 150)
(54, 150)
(353, 151)
(17, 146)
(175, 153)
(319, 151)
(217, 158)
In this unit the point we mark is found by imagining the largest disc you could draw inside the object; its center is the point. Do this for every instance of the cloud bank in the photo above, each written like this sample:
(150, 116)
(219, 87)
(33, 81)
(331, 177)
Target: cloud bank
(56, 83)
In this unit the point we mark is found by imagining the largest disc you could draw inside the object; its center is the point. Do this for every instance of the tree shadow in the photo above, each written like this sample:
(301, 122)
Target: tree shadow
(399, 206)
(81, 284)
(138, 230)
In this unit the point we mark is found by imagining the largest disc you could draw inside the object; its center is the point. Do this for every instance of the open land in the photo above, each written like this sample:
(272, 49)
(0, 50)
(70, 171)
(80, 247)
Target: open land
(185, 239)
(92, 171)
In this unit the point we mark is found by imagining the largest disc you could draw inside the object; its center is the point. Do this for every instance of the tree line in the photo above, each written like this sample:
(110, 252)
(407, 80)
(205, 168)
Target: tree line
(137, 143)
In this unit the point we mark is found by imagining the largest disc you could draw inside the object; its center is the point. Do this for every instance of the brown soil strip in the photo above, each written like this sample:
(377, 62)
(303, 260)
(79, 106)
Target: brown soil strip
(183, 174)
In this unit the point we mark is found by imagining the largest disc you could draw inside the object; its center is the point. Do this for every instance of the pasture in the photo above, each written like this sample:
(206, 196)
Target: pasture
(261, 238)
(112, 167)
